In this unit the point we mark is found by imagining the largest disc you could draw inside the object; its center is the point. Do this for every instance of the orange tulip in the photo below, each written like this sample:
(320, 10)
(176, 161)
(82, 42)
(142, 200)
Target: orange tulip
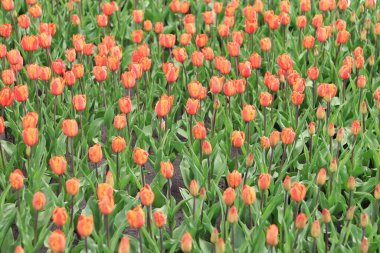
(59, 216)
(39, 201)
(118, 144)
(298, 192)
(199, 131)
(16, 179)
(95, 153)
(125, 104)
(264, 181)
(136, 217)
(124, 246)
(265, 99)
(30, 120)
(30, 136)
(85, 225)
(72, 186)
(58, 164)
(159, 219)
(234, 179)
(79, 102)
(192, 106)
(57, 241)
(70, 127)
(164, 105)
(229, 196)
(146, 195)
(186, 243)
(216, 84)
(272, 235)
(167, 169)
(140, 156)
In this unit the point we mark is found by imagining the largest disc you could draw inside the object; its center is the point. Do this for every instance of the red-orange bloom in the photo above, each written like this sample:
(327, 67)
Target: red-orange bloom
(298, 192)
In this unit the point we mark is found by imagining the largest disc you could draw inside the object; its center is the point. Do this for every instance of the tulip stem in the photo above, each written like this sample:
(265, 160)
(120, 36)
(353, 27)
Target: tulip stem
(225, 223)
(86, 244)
(117, 169)
(72, 156)
(353, 152)
(262, 200)
(349, 198)
(314, 245)
(190, 129)
(360, 99)
(326, 237)
(142, 175)
(297, 114)
(248, 135)
(35, 228)
(209, 173)
(344, 90)
(316, 199)
(331, 182)
(250, 217)
(106, 227)
(296, 239)
(184, 72)
(161, 241)
(141, 242)
(213, 119)
(148, 221)
(194, 203)
(375, 210)
(296, 210)
(270, 159)
(2, 156)
(311, 148)
(71, 211)
(265, 120)
(283, 158)
(169, 193)
(233, 237)
(104, 95)
(330, 145)
(55, 109)
(200, 152)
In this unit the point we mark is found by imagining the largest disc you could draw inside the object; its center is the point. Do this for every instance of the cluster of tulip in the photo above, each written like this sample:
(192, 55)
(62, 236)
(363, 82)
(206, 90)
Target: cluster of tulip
(106, 106)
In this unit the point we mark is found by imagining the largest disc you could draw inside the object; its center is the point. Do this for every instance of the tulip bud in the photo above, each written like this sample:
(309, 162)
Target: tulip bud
(333, 165)
(214, 236)
(351, 183)
(377, 192)
(59, 216)
(265, 142)
(186, 243)
(364, 220)
(220, 246)
(229, 196)
(232, 216)
(264, 181)
(331, 129)
(146, 195)
(234, 179)
(272, 235)
(194, 188)
(311, 128)
(249, 160)
(315, 229)
(363, 108)
(339, 135)
(321, 177)
(300, 221)
(39, 201)
(321, 113)
(72, 186)
(248, 194)
(159, 219)
(124, 246)
(57, 241)
(19, 249)
(206, 148)
(364, 245)
(371, 60)
(326, 217)
(350, 213)
(85, 225)
(274, 138)
(287, 183)
(202, 194)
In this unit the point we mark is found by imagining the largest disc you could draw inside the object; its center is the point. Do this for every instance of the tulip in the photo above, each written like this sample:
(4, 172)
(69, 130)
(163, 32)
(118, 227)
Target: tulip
(39, 202)
(186, 243)
(264, 182)
(118, 145)
(124, 246)
(249, 196)
(57, 241)
(95, 155)
(272, 236)
(140, 157)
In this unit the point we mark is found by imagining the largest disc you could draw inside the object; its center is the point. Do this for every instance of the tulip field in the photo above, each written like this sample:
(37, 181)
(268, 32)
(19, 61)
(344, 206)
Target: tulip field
(189, 126)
